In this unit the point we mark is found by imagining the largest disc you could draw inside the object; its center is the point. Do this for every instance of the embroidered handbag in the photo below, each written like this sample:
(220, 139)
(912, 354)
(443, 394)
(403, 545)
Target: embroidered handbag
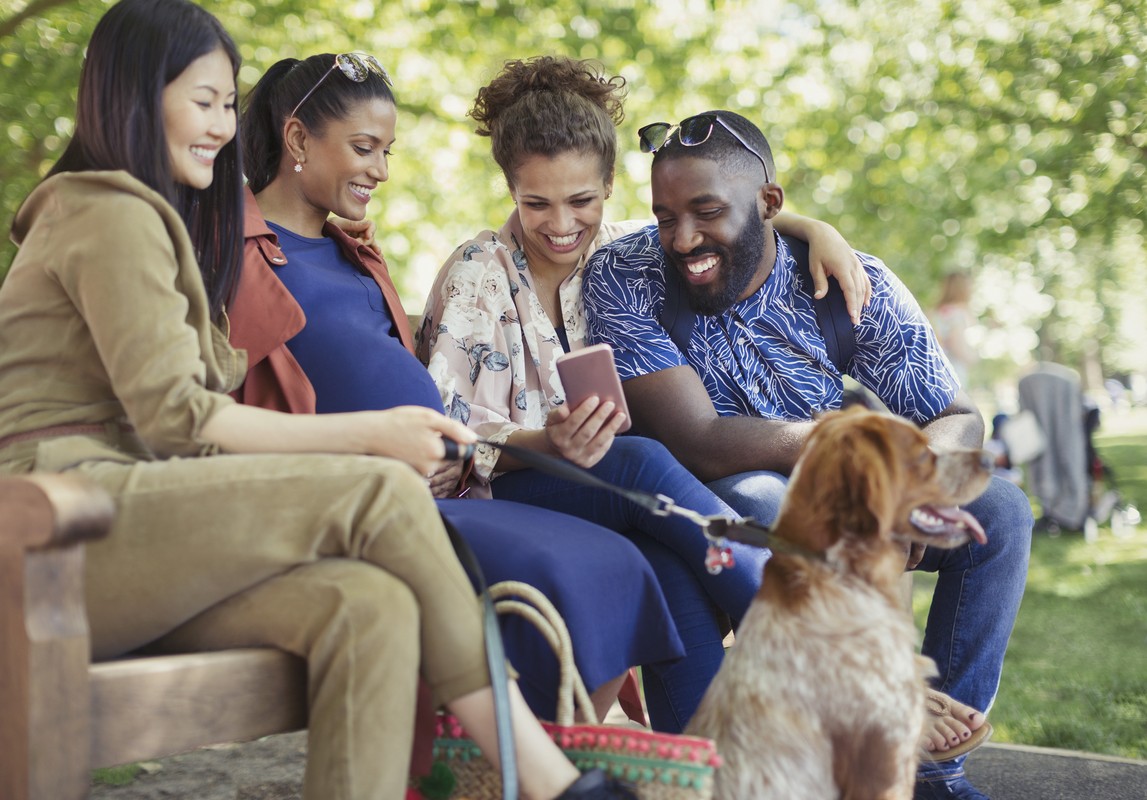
(657, 766)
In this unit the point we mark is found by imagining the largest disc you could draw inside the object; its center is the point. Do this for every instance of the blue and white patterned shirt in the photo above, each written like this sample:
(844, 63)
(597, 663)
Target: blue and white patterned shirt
(765, 356)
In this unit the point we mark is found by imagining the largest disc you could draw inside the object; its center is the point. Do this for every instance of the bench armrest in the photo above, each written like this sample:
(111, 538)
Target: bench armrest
(41, 510)
(45, 698)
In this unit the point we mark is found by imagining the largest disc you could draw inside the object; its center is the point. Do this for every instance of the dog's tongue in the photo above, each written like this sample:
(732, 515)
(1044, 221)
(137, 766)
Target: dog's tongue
(948, 521)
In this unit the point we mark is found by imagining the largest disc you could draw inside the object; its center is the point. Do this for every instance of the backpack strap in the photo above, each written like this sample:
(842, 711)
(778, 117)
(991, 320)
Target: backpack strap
(676, 316)
(678, 319)
(831, 310)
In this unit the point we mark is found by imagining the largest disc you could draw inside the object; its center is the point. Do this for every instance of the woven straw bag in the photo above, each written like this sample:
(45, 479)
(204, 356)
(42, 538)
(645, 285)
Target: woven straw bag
(657, 766)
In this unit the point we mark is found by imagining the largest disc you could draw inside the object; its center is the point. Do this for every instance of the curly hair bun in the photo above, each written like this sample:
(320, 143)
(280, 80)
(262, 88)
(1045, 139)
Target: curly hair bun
(557, 74)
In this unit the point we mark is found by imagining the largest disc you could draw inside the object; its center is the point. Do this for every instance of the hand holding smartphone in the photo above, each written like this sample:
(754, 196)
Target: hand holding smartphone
(591, 371)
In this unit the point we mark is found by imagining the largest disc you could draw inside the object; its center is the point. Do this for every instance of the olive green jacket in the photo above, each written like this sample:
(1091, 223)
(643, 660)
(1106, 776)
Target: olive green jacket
(104, 319)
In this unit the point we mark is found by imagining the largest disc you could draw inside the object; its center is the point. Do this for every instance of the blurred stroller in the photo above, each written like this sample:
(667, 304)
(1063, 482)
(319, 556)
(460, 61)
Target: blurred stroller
(1075, 489)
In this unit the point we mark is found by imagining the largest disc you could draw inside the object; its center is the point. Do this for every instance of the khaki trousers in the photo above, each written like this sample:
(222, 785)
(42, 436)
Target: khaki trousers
(340, 559)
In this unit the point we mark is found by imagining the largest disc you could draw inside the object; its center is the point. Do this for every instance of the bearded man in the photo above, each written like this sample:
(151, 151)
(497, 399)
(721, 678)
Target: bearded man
(737, 401)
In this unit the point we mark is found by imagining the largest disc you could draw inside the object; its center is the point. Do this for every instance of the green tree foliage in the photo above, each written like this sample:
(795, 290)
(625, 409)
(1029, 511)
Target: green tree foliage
(1003, 137)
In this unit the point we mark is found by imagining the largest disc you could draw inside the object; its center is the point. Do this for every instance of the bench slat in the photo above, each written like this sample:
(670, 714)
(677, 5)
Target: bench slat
(144, 708)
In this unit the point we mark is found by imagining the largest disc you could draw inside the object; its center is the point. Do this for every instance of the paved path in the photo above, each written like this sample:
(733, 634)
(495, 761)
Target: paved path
(271, 769)
(1017, 772)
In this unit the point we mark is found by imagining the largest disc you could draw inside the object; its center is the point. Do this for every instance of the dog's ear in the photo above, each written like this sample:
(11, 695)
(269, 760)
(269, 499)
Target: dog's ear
(866, 465)
(851, 470)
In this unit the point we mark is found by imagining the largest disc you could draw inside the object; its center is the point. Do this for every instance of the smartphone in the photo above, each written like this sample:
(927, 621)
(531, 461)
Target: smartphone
(591, 371)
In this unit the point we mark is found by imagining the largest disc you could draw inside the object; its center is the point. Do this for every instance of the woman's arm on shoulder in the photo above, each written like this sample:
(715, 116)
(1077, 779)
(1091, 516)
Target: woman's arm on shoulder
(829, 254)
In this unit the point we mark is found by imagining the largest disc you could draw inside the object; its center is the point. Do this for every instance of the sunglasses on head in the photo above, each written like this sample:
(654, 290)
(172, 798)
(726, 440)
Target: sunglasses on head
(356, 66)
(691, 132)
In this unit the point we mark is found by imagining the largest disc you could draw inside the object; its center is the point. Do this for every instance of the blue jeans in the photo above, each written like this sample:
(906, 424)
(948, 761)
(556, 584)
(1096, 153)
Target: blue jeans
(977, 596)
(676, 550)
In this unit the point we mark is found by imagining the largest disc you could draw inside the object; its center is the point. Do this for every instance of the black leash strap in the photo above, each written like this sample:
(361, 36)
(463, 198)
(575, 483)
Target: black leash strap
(496, 660)
(715, 527)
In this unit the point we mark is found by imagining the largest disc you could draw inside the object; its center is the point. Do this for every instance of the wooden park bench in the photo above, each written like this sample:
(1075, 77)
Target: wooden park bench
(62, 715)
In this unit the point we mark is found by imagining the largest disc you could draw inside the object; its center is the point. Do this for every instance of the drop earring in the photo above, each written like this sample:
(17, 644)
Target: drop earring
(298, 166)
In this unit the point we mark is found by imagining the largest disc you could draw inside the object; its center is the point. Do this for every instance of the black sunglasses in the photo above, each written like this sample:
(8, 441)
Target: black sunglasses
(355, 66)
(691, 132)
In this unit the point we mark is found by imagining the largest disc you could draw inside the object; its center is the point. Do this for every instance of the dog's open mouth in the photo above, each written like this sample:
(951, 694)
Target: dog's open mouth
(946, 523)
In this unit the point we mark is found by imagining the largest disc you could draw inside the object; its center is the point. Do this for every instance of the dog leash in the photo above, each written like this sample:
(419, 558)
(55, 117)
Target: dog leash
(717, 528)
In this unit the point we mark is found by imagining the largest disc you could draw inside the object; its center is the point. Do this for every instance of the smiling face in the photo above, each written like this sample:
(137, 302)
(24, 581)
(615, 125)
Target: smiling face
(199, 118)
(345, 164)
(714, 229)
(560, 201)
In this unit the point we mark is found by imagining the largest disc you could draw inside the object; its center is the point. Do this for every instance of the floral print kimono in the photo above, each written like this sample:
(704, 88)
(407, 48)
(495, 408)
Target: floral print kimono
(488, 343)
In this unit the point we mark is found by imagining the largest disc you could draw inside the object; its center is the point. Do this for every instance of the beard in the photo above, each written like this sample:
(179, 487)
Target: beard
(739, 263)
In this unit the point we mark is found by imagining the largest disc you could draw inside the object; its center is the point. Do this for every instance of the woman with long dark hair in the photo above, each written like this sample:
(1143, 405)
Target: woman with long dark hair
(235, 525)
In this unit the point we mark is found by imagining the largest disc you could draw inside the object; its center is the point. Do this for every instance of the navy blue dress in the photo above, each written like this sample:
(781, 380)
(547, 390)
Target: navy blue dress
(599, 581)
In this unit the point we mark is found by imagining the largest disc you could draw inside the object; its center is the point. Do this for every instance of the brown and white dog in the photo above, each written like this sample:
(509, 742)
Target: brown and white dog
(822, 696)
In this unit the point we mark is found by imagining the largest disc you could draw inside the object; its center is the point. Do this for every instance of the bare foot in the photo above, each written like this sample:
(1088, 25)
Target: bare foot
(949, 725)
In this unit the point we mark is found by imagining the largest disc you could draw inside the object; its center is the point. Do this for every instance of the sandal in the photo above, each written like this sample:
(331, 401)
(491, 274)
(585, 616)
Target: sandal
(939, 705)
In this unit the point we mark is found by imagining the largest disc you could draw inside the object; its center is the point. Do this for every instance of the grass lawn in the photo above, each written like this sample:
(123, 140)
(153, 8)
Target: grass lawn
(1075, 675)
